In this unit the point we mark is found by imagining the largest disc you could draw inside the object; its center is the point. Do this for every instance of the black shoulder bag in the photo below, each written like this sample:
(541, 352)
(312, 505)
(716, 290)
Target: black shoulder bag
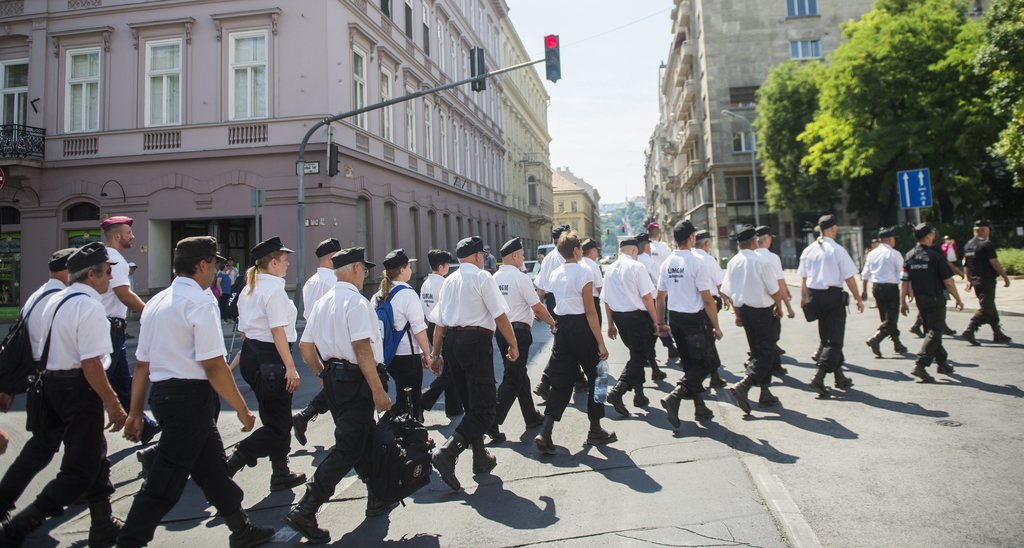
(38, 415)
(16, 362)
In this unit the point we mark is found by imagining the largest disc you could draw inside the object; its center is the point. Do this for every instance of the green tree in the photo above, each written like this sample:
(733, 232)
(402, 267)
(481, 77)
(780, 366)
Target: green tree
(901, 93)
(1001, 58)
(786, 103)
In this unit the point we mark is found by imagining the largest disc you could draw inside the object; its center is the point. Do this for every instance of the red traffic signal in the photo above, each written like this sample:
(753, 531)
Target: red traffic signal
(552, 60)
(550, 41)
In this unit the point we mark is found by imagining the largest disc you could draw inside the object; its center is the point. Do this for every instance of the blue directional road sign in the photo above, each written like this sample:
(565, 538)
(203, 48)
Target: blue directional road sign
(915, 188)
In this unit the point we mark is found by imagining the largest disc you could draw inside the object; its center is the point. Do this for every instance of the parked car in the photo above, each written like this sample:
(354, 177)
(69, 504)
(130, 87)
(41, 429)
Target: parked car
(532, 269)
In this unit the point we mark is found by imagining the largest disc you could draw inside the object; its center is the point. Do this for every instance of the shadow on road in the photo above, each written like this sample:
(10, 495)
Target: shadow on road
(494, 502)
(739, 442)
(1005, 390)
(826, 427)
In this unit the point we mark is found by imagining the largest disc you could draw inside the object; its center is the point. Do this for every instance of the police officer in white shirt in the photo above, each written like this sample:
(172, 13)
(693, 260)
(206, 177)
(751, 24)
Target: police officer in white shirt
(764, 245)
(266, 319)
(315, 287)
(883, 266)
(440, 262)
(684, 291)
(578, 345)
(702, 248)
(117, 301)
(629, 309)
(41, 447)
(181, 351)
(524, 305)
(552, 261)
(824, 267)
(468, 310)
(756, 300)
(411, 356)
(75, 388)
(342, 331)
(653, 268)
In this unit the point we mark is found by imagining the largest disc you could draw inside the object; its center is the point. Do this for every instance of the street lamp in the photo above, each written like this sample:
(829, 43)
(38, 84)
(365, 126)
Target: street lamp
(753, 160)
(24, 188)
(124, 197)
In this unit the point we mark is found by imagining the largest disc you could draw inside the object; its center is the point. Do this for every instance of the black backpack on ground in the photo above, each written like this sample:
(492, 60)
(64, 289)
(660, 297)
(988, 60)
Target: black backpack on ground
(231, 311)
(399, 455)
(16, 353)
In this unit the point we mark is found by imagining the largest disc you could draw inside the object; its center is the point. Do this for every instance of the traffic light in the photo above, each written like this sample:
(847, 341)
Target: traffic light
(333, 159)
(622, 229)
(552, 62)
(476, 68)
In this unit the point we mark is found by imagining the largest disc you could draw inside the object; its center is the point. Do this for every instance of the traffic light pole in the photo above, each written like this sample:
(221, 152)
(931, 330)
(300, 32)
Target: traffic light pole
(300, 243)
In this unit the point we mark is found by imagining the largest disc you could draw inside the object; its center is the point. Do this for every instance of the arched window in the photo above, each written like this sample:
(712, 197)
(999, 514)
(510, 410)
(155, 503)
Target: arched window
(82, 211)
(10, 216)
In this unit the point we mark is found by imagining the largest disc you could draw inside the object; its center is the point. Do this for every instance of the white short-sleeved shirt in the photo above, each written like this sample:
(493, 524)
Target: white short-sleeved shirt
(773, 261)
(749, 281)
(652, 270)
(883, 265)
(316, 286)
(714, 269)
(339, 318)
(625, 283)
(683, 276)
(179, 328)
(469, 297)
(429, 291)
(35, 322)
(660, 252)
(407, 310)
(267, 307)
(80, 330)
(118, 277)
(826, 264)
(598, 276)
(520, 296)
(568, 281)
(552, 261)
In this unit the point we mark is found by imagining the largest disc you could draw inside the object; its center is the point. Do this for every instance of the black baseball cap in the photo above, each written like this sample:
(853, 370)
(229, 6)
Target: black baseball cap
(59, 259)
(886, 232)
(628, 241)
(764, 230)
(511, 246)
(197, 247)
(469, 246)
(745, 233)
(328, 247)
(268, 246)
(349, 256)
(922, 230)
(983, 223)
(91, 254)
(588, 244)
(396, 259)
(826, 221)
(703, 235)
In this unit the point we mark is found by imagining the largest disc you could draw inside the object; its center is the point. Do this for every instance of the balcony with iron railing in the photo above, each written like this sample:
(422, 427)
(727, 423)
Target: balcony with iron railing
(18, 142)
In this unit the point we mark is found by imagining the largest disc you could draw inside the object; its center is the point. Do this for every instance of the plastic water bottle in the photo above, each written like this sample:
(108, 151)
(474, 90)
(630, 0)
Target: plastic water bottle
(601, 382)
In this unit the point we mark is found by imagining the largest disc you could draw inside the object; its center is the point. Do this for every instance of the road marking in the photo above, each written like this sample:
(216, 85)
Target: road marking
(783, 506)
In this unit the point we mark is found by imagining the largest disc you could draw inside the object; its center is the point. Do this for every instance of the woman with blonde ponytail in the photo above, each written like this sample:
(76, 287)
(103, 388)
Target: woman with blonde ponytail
(410, 359)
(266, 320)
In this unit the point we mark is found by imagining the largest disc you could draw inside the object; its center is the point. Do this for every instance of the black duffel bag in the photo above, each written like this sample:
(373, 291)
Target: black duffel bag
(399, 455)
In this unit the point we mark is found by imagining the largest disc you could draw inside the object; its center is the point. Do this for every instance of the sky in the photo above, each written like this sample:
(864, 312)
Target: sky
(605, 107)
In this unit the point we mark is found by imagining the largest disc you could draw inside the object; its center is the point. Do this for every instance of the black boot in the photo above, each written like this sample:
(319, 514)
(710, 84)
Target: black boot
(543, 390)
(921, 373)
(598, 435)
(716, 379)
(874, 346)
(445, 457)
(945, 369)
(740, 390)
(767, 399)
(615, 398)
(534, 420)
(700, 409)
(146, 457)
(483, 462)
(898, 346)
(656, 373)
(19, 526)
(302, 518)
(543, 440)
(818, 384)
(282, 478)
(639, 399)
(237, 461)
(300, 422)
(496, 435)
(105, 527)
(916, 329)
(671, 405)
(841, 380)
(376, 507)
(968, 335)
(673, 353)
(999, 337)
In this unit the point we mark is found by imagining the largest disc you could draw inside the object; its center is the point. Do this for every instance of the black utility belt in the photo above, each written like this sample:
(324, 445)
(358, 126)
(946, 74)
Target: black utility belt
(470, 329)
(345, 365)
(63, 373)
(522, 325)
(117, 323)
(687, 315)
(629, 312)
(883, 284)
(182, 382)
(828, 290)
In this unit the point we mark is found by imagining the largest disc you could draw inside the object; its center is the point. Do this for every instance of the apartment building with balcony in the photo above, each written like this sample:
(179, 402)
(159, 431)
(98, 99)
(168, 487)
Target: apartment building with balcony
(527, 156)
(173, 112)
(699, 159)
(577, 204)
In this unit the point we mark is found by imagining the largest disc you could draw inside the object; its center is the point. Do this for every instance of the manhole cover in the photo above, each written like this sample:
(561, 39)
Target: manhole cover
(948, 423)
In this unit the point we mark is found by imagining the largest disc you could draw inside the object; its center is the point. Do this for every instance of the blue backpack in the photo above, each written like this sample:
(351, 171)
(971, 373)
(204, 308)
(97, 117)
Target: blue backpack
(391, 337)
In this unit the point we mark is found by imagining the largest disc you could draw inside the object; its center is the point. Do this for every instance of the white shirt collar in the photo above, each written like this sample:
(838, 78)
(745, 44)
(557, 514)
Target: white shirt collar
(79, 287)
(269, 278)
(749, 252)
(698, 251)
(509, 267)
(470, 266)
(325, 274)
(346, 285)
(186, 281)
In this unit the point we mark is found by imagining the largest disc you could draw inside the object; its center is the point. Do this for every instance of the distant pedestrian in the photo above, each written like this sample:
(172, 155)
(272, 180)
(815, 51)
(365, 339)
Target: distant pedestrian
(223, 282)
(883, 268)
(490, 263)
(982, 266)
(440, 263)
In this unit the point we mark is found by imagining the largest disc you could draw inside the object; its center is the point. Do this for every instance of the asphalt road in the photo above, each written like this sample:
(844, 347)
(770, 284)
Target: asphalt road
(887, 462)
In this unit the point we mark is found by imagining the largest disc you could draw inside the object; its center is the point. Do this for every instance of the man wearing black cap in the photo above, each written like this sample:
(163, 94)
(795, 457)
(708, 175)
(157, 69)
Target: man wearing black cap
(76, 352)
(591, 253)
(630, 310)
(702, 249)
(883, 266)
(981, 266)
(927, 273)
(523, 305)
(824, 267)
(552, 261)
(754, 292)
(181, 351)
(316, 286)
(440, 263)
(41, 447)
(342, 331)
(644, 257)
(468, 310)
(684, 292)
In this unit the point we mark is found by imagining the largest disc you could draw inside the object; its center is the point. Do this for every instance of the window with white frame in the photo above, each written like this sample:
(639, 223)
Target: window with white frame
(387, 120)
(359, 84)
(441, 58)
(444, 139)
(82, 95)
(385, 6)
(410, 123)
(426, 28)
(14, 92)
(805, 49)
(456, 147)
(408, 18)
(428, 129)
(249, 82)
(163, 83)
(455, 54)
(741, 142)
(801, 8)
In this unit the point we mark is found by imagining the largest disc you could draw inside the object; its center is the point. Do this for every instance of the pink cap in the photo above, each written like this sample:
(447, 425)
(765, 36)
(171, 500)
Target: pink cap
(118, 220)
(653, 226)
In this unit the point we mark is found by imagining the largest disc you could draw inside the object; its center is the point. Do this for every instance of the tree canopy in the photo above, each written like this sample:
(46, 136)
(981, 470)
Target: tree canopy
(1001, 59)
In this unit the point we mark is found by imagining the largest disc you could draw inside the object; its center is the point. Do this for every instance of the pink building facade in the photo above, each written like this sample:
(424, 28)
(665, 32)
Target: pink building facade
(173, 112)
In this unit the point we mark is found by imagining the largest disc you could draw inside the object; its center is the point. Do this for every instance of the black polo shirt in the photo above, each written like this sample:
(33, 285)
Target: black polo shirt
(978, 254)
(926, 270)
